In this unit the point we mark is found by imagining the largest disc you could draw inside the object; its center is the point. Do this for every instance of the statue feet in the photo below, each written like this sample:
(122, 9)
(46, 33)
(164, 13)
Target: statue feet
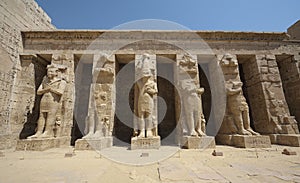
(142, 134)
(88, 136)
(36, 135)
(244, 132)
(149, 133)
(46, 135)
(252, 132)
(201, 133)
(194, 133)
(135, 133)
(97, 134)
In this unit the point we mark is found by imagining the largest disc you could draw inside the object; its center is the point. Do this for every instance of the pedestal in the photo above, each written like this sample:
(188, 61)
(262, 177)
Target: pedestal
(42, 144)
(94, 144)
(190, 142)
(145, 143)
(244, 141)
(286, 139)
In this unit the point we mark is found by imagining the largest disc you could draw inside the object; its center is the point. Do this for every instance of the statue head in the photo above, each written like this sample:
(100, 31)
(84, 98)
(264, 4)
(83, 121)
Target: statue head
(52, 71)
(146, 56)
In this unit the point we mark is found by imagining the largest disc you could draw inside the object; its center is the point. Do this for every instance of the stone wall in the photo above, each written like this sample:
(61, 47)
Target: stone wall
(15, 16)
(294, 31)
(290, 76)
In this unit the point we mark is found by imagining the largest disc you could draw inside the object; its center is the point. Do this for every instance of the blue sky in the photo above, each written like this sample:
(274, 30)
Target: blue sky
(237, 15)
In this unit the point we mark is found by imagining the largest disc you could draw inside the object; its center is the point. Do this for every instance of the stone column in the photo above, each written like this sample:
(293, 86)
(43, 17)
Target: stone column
(100, 119)
(24, 113)
(191, 128)
(265, 90)
(235, 129)
(145, 135)
(67, 59)
(290, 76)
(26, 83)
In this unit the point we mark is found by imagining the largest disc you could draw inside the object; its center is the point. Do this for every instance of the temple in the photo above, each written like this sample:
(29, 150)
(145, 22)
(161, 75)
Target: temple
(150, 88)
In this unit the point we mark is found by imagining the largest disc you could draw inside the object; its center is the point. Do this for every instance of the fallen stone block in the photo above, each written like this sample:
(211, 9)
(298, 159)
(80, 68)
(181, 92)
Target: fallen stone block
(288, 152)
(215, 153)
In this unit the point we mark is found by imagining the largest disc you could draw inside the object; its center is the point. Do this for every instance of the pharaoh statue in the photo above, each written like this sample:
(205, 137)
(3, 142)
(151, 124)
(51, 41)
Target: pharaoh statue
(194, 122)
(238, 109)
(147, 88)
(51, 89)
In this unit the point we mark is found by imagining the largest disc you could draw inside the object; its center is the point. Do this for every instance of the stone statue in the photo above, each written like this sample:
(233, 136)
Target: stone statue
(145, 125)
(98, 121)
(191, 99)
(147, 89)
(237, 108)
(51, 89)
(188, 65)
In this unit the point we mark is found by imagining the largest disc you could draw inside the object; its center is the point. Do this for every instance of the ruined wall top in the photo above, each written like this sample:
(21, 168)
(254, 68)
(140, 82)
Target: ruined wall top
(206, 35)
(294, 31)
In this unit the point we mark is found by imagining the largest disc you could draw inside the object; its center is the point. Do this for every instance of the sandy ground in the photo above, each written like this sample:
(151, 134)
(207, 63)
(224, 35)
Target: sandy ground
(237, 165)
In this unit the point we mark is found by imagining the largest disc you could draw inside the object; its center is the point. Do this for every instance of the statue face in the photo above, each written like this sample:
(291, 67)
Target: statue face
(51, 72)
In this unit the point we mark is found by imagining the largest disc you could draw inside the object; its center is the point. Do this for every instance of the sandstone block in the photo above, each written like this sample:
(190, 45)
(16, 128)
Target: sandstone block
(191, 142)
(286, 139)
(41, 144)
(94, 144)
(244, 141)
(145, 143)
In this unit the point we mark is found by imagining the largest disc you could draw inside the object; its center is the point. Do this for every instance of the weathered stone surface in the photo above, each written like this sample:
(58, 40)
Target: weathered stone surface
(216, 153)
(286, 139)
(145, 96)
(42, 144)
(261, 92)
(204, 142)
(243, 141)
(145, 143)
(288, 152)
(237, 117)
(294, 31)
(94, 144)
(15, 98)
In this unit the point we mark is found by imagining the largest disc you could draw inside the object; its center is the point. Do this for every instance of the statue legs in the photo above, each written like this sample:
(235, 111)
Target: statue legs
(238, 120)
(145, 123)
(40, 126)
(50, 122)
(98, 126)
(90, 126)
(191, 123)
(149, 126)
(200, 124)
(246, 120)
(142, 127)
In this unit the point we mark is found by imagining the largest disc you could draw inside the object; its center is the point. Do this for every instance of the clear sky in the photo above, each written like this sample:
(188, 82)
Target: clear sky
(237, 15)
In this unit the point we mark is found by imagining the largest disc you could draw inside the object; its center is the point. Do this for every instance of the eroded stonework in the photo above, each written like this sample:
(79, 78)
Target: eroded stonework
(78, 95)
